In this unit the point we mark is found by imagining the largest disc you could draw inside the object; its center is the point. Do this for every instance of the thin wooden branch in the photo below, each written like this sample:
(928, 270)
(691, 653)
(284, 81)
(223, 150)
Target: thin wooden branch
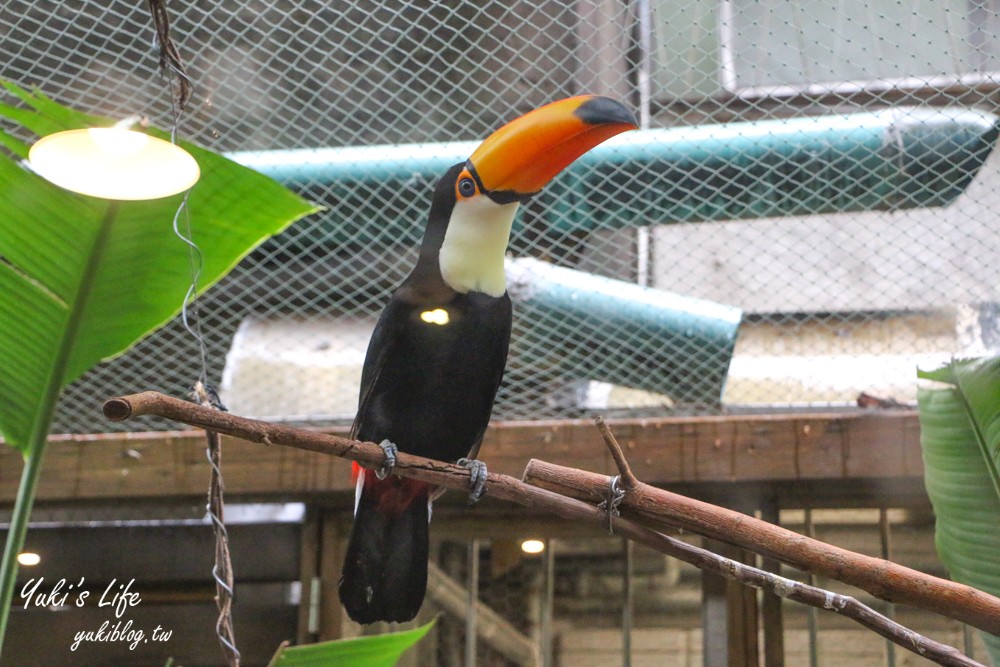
(510, 489)
(783, 587)
(366, 453)
(884, 579)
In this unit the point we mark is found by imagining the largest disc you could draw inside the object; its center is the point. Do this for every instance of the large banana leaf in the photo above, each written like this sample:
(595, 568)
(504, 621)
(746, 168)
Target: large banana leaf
(374, 651)
(960, 437)
(81, 280)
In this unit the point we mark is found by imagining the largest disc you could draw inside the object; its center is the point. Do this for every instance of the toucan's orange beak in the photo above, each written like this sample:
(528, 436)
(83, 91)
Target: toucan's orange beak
(518, 160)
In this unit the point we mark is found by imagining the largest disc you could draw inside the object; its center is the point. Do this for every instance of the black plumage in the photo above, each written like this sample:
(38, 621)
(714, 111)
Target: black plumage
(429, 388)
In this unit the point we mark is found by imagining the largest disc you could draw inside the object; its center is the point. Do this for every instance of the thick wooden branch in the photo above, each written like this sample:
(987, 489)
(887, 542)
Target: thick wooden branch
(884, 579)
(510, 489)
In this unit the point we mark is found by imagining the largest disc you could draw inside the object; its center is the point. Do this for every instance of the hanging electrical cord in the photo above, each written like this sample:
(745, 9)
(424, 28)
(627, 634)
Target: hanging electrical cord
(181, 90)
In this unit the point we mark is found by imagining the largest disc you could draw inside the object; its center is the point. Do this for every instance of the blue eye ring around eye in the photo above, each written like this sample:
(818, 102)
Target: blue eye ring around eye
(466, 187)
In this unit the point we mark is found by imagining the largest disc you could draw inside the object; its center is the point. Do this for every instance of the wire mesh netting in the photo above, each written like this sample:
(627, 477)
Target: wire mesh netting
(808, 212)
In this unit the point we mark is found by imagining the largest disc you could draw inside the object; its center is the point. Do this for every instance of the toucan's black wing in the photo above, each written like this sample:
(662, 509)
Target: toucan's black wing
(380, 351)
(429, 387)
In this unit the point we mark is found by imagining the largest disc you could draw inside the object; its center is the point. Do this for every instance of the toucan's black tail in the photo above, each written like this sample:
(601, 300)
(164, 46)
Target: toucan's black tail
(385, 569)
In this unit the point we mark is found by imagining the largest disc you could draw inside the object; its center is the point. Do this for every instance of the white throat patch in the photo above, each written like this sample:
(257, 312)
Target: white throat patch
(474, 246)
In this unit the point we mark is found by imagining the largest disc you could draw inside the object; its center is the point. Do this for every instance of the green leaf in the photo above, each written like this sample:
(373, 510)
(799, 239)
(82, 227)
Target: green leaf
(82, 280)
(374, 651)
(16, 147)
(43, 116)
(978, 382)
(943, 374)
(959, 434)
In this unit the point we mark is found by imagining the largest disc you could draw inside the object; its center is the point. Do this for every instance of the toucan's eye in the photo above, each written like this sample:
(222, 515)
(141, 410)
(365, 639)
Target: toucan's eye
(466, 187)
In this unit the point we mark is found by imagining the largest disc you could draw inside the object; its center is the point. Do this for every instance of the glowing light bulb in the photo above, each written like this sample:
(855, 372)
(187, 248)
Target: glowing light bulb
(437, 316)
(117, 141)
(532, 546)
(114, 163)
(28, 559)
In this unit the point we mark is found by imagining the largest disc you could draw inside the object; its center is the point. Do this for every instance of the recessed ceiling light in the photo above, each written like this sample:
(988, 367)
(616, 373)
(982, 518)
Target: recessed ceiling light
(28, 559)
(532, 546)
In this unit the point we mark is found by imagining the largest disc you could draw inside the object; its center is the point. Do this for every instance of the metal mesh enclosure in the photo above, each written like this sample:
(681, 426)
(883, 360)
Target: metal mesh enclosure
(821, 174)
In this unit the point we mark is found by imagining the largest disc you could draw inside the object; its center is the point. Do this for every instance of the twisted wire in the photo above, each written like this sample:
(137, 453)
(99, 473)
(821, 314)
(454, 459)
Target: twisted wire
(222, 570)
(181, 89)
(611, 504)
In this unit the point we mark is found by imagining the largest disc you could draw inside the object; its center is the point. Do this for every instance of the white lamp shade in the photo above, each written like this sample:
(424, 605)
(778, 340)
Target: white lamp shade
(113, 163)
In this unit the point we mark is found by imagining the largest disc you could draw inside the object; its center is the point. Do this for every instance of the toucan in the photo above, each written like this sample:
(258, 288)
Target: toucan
(437, 355)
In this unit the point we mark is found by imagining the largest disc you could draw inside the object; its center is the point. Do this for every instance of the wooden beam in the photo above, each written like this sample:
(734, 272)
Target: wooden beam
(772, 617)
(308, 572)
(743, 622)
(493, 629)
(333, 620)
(857, 445)
(714, 616)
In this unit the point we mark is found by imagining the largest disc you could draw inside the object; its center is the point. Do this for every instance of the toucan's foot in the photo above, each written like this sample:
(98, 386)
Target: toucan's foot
(477, 478)
(390, 450)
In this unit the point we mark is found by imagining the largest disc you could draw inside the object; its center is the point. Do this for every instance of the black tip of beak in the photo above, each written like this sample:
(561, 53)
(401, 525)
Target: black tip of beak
(601, 110)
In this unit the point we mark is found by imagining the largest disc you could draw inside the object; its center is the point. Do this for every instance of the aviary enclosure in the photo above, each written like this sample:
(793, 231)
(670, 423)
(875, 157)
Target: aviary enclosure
(743, 288)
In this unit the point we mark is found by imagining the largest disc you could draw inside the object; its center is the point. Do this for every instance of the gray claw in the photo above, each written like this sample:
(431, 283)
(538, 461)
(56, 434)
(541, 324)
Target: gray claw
(477, 478)
(390, 459)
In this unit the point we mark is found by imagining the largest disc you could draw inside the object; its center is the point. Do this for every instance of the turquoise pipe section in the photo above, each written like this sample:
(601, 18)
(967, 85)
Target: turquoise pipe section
(618, 332)
(891, 159)
(885, 160)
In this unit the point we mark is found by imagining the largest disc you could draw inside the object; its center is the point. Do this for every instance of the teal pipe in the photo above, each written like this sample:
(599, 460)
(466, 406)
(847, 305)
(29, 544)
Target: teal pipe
(884, 160)
(581, 326)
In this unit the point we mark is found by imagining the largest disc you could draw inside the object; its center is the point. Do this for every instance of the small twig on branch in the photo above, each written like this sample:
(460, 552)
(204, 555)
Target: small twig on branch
(507, 488)
(629, 480)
